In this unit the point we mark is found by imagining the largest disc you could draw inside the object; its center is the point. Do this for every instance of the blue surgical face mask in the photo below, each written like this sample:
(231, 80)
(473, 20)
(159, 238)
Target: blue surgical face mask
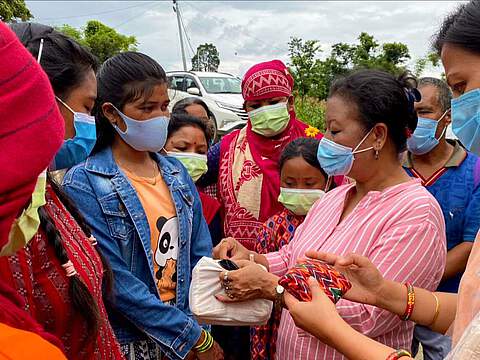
(423, 139)
(337, 159)
(76, 149)
(466, 120)
(147, 135)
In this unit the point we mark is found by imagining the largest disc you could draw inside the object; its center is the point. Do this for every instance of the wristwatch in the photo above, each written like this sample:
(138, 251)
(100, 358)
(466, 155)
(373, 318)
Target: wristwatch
(279, 302)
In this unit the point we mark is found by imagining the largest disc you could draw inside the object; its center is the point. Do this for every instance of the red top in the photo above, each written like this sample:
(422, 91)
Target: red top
(38, 277)
(210, 206)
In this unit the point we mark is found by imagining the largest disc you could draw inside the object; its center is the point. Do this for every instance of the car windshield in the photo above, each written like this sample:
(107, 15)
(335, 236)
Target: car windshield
(221, 85)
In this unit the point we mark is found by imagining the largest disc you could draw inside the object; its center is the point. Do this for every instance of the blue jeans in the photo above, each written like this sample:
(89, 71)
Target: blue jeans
(435, 346)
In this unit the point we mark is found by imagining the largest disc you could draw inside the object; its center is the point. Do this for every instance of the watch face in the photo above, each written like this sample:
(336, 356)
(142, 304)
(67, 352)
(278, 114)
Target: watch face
(280, 289)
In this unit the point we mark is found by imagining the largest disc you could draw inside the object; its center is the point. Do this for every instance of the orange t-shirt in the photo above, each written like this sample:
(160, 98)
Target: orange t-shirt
(18, 344)
(162, 219)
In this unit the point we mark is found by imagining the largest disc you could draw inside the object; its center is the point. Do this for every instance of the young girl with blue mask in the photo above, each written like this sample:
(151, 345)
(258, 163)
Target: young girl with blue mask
(145, 212)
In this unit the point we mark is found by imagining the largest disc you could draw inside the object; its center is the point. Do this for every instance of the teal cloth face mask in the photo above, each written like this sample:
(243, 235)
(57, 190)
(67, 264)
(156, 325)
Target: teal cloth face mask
(299, 201)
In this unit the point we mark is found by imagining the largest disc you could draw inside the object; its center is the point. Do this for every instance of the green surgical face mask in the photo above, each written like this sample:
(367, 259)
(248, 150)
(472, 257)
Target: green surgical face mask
(196, 164)
(270, 120)
(299, 201)
(26, 225)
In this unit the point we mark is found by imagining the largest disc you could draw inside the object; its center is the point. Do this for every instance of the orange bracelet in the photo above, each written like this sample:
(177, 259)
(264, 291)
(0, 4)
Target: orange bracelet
(410, 302)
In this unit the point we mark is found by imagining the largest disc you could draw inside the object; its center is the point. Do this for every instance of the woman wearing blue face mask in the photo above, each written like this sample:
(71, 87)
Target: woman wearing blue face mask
(71, 70)
(145, 212)
(53, 261)
(385, 215)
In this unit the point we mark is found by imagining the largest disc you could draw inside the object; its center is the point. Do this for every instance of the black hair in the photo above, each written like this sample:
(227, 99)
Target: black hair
(461, 28)
(123, 78)
(82, 299)
(381, 98)
(65, 62)
(180, 120)
(181, 108)
(305, 148)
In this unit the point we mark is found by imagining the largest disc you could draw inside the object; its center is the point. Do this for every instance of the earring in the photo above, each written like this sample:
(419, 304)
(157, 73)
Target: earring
(376, 154)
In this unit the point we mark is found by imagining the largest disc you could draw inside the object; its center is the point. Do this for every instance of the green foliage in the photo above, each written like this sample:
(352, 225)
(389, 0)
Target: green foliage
(421, 64)
(207, 58)
(311, 111)
(14, 10)
(102, 40)
(303, 63)
(313, 76)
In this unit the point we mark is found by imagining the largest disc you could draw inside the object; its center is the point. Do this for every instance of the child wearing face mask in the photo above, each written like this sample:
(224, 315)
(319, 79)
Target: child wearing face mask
(188, 141)
(302, 183)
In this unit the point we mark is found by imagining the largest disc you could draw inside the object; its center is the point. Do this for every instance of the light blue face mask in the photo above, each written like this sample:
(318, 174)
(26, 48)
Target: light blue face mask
(466, 120)
(337, 159)
(76, 149)
(146, 135)
(423, 139)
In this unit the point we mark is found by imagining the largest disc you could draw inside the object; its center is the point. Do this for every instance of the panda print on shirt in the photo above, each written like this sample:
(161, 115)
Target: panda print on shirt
(165, 257)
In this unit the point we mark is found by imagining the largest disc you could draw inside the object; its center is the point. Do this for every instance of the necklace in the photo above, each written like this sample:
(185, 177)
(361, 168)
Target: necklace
(151, 181)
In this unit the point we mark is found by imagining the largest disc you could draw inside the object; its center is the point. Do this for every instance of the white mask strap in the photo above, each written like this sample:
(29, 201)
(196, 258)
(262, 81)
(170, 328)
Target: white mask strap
(361, 142)
(64, 104)
(40, 51)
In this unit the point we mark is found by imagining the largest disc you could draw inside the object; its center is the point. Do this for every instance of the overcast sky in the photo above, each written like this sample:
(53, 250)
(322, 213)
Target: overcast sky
(246, 32)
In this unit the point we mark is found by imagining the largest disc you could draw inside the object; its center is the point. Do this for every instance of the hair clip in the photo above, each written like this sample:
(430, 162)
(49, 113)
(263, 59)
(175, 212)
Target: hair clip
(69, 268)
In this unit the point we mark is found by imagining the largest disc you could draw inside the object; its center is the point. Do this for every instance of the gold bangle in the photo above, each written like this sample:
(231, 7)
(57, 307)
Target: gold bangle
(437, 308)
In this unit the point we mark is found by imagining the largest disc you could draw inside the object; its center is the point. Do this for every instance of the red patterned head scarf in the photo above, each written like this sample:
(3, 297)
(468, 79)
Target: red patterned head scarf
(267, 80)
(31, 127)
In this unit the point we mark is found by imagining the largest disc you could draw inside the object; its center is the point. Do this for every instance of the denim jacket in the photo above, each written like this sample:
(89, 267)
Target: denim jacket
(111, 207)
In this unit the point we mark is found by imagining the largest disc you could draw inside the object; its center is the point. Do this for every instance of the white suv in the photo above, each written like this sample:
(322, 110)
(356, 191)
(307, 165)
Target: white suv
(220, 91)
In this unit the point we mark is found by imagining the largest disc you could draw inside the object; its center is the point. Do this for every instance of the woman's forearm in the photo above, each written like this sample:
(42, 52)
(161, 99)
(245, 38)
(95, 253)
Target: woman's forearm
(394, 299)
(355, 345)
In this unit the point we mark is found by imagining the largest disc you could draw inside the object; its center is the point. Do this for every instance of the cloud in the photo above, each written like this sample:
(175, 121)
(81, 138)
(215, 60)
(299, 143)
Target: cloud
(251, 31)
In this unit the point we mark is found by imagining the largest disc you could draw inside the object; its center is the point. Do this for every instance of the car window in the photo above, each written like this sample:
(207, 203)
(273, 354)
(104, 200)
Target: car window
(190, 83)
(177, 82)
(221, 85)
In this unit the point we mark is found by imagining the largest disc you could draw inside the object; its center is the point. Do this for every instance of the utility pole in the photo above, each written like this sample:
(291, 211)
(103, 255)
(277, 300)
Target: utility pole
(176, 9)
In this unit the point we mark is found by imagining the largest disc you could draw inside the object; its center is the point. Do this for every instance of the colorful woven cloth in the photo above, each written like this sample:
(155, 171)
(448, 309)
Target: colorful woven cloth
(333, 283)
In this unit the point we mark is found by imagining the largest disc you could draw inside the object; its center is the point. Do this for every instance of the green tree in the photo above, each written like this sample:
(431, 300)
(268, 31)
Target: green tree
(313, 76)
(14, 10)
(303, 64)
(101, 39)
(207, 58)
(421, 63)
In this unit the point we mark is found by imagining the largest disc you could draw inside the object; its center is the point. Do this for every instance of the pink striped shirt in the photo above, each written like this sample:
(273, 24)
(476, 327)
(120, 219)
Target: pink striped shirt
(401, 230)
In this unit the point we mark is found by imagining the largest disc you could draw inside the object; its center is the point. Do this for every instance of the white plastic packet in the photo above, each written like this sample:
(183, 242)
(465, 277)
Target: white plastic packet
(208, 310)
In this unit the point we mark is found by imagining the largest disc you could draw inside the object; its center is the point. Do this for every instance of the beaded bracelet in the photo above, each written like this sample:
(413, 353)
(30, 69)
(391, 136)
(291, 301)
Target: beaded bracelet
(410, 302)
(206, 344)
(398, 354)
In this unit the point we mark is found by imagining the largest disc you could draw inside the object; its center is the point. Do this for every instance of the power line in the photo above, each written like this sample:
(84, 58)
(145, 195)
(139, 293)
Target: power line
(153, 4)
(186, 34)
(92, 14)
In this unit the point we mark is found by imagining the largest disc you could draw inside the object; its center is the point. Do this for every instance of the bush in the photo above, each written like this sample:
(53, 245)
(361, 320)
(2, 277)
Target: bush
(311, 111)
